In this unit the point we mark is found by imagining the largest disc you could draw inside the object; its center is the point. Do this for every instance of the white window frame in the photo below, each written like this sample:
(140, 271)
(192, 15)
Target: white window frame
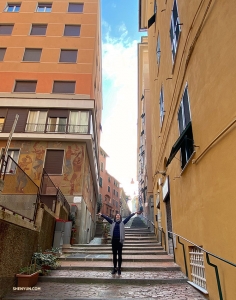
(76, 121)
(14, 5)
(33, 127)
(44, 6)
(158, 49)
(173, 26)
(161, 103)
(57, 124)
(11, 167)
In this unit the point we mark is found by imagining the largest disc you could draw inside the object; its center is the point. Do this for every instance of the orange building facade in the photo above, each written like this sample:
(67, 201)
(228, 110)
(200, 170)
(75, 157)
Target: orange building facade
(109, 189)
(50, 70)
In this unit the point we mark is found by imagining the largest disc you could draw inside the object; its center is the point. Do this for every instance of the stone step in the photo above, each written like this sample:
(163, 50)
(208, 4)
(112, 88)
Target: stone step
(106, 242)
(108, 247)
(108, 251)
(101, 276)
(126, 266)
(108, 257)
(114, 291)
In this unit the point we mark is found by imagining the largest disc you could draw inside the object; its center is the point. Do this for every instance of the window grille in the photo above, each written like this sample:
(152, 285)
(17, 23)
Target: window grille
(197, 267)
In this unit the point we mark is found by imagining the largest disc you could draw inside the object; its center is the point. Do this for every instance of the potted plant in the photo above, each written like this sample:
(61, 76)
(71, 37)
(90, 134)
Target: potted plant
(45, 261)
(28, 276)
(105, 231)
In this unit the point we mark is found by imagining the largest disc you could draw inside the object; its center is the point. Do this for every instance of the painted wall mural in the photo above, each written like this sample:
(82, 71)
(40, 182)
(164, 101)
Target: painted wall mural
(31, 161)
(73, 170)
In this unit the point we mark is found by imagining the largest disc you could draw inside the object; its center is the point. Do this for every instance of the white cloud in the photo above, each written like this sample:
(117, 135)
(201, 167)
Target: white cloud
(119, 137)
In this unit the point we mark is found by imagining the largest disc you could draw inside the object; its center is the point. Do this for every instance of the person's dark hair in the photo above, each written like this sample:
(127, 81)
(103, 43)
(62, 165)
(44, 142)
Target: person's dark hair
(115, 217)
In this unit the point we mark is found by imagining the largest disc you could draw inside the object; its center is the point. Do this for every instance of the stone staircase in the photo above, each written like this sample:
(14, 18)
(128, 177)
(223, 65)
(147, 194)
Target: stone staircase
(148, 272)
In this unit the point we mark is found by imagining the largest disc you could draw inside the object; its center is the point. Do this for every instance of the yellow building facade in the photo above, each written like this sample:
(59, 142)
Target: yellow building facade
(192, 71)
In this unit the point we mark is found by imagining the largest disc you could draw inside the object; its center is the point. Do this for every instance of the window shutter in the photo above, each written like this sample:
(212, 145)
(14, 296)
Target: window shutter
(75, 7)
(180, 119)
(25, 86)
(72, 30)
(69, 56)
(186, 107)
(151, 20)
(32, 54)
(6, 29)
(58, 113)
(20, 126)
(64, 87)
(54, 161)
(38, 29)
(2, 53)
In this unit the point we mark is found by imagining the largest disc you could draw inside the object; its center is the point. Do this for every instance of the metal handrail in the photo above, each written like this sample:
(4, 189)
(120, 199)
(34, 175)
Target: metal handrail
(208, 261)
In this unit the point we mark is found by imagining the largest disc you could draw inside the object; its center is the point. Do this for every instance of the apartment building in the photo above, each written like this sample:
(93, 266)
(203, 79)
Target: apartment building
(144, 132)
(192, 93)
(109, 188)
(50, 70)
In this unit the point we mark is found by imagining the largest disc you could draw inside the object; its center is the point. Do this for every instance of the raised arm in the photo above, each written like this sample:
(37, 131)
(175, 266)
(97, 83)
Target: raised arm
(107, 218)
(128, 218)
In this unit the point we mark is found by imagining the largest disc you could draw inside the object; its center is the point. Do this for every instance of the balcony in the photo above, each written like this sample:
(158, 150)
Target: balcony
(57, 128)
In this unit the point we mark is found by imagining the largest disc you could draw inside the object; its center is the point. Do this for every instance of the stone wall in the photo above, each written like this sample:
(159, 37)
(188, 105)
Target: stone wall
(19, 240)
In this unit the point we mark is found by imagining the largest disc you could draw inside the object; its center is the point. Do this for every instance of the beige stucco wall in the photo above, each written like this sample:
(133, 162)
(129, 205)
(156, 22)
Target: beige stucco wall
(202, 195)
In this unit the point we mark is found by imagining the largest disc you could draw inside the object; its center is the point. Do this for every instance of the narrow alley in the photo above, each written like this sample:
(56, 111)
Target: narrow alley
(85, 272)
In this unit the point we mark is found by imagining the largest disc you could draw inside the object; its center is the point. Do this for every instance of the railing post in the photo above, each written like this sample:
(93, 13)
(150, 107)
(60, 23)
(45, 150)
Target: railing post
(185, 262)
(164, 237)
(217, 275)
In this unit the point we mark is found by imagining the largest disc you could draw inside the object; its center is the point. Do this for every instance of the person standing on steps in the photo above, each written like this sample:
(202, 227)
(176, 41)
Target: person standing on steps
(117, 233)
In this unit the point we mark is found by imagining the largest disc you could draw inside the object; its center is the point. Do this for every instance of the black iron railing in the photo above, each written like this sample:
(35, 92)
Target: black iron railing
(50, 194)
(17, 183)
(57, 128)
(208, 254)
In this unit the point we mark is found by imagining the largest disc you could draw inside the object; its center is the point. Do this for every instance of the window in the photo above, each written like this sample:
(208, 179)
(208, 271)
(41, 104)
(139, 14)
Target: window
(78, 122)
(100, 181)
(69, 56)
(32, 54)
(11, 166)
(76, 7)
(38, 29)
(44, 7)
(114, 192)
(184, 119)
(25, 86)
(174, 30)
(72, 30)
(54, 161)
(108, 189)
(56, 124)
(102, 166)
(36, 121)
(2, 120)
(2, 53)
(161, 102)
(158, 50)
(13, 7)
(109, 179)
(64, 87)
(6, 29)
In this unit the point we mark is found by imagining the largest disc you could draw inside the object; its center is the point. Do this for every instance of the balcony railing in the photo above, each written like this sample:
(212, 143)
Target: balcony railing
(57, 128)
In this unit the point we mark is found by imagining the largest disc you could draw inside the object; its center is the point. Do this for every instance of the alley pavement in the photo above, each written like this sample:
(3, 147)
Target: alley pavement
(148, 272)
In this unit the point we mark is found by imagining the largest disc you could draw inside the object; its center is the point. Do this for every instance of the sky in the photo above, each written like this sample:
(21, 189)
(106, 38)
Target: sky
(120, 38)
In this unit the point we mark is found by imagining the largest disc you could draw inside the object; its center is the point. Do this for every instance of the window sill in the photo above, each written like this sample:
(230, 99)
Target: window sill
(188, 162)
(198, 287)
